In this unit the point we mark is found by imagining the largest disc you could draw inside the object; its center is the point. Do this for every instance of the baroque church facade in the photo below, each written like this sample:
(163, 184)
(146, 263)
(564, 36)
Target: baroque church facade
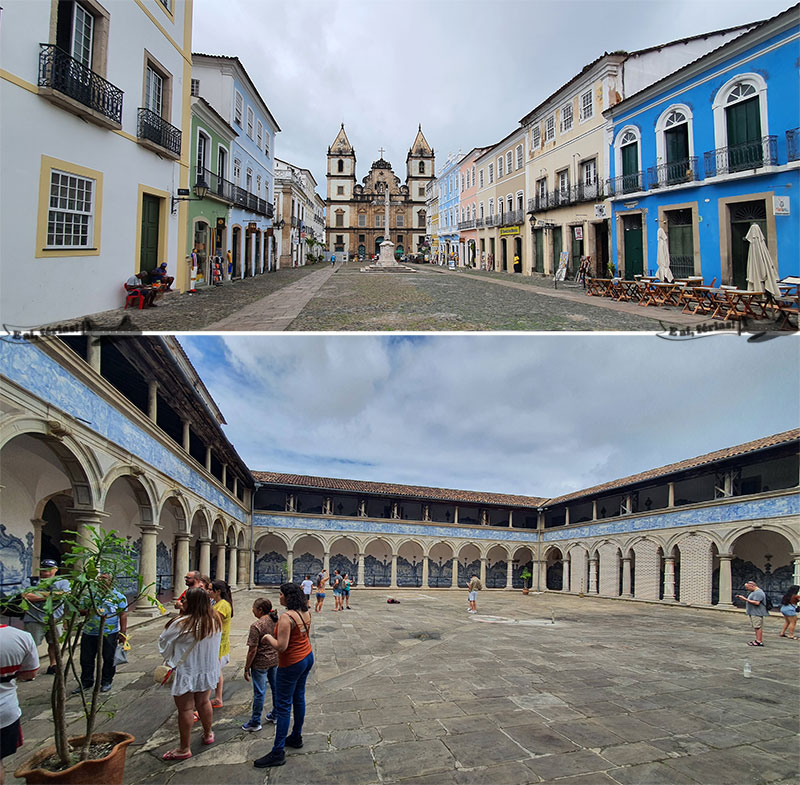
(356, 211)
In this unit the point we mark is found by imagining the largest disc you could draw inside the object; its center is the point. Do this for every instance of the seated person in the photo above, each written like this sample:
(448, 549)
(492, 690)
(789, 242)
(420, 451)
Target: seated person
(159, 276)
(138, 283)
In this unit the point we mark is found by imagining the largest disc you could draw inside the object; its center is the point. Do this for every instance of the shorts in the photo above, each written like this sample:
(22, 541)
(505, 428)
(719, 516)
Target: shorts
(337, 593)
(473, 596)
(346, 593)
(224, 660)
(320, 595)
(39, 631)
(10, 738)
(788, 610)
(757, 622)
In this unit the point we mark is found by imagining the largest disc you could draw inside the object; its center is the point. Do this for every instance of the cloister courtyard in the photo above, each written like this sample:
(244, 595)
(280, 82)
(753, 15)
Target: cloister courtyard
(546, 687)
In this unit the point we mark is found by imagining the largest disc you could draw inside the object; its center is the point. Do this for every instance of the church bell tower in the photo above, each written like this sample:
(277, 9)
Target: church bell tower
(341, 169)
(420, 167)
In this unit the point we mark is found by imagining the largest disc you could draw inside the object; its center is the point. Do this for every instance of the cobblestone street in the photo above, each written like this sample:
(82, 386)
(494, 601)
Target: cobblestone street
(543, 688)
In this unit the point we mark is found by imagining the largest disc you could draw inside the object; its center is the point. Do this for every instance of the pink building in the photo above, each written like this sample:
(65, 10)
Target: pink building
(467, 210)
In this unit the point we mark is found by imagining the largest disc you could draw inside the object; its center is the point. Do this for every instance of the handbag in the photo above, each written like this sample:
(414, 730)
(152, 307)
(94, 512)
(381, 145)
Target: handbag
(120, 656)
(164, 675)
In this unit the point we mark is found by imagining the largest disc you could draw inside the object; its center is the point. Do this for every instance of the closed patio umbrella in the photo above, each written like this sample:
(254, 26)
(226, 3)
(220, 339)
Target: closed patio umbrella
(663, 273)
(762, 272)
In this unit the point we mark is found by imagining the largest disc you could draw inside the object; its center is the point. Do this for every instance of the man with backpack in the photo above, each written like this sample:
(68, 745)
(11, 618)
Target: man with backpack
(475, 586)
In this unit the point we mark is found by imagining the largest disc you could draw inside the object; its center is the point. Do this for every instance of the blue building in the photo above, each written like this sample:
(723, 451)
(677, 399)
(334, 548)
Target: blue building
(449, 192)
(246, 171)
(708, 151)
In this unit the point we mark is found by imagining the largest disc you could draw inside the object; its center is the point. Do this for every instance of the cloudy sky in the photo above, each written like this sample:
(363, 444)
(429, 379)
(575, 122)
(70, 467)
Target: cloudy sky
(466, 70)
(534, 415)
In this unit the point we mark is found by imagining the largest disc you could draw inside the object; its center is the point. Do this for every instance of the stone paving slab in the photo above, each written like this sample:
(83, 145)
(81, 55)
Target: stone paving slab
(612, 693)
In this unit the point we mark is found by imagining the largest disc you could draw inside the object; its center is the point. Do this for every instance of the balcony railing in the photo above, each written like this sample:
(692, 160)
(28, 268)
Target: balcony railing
(742, 157)
(223, 189)
(793, 144)
(673, 173)
(513, 217)
(626, 184)
(469, 224)
(217, 186)
(582, 192)
(63, 73)
(480, 223)
(157, 130)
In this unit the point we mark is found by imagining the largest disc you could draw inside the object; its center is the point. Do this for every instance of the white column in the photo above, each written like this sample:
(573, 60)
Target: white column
(326, 561)
(181, 560)
(204, 563)
(593, 575)
(233, 571)
(290, 565)
(393, 582)
(208, 459)
(243, 560)
(360, 579)
(626, 576)
(510, 574)
(725, 593)
(147, 564)
(220, 576)
(424, 572)
(93, 353)
(796, 565)
(671, 495)
(594, 510)
(566, 516)
(152, 400)
(669, 580)
(454, 578)
(186, 440)
(483, 570)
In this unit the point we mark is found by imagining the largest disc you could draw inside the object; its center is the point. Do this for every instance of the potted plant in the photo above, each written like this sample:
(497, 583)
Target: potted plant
(526, 576)
(91, 757)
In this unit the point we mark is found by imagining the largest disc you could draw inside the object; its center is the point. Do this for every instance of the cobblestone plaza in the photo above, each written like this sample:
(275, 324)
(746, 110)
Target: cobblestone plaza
(537, 688)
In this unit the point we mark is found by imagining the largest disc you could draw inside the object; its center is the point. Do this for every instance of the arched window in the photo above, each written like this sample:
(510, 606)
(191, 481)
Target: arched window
(422, 167)
(740, 126)
(674, 147)
(340, 165)
(628, 160)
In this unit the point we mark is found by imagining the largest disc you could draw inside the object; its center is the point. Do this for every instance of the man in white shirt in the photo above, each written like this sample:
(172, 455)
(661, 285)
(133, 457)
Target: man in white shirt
(18, 660)
(306, 585)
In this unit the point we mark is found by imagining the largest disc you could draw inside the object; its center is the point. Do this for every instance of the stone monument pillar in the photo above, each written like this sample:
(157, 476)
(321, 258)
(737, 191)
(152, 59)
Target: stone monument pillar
(386, 257)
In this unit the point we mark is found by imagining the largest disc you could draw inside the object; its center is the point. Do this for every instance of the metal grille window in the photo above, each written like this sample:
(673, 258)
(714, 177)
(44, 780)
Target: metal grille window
(519, 156)
(587, 105)
(566, 118)
(491, 207)
(82, 35)
(238, 109)
(509, 161)
(536, 137)
(195, 88)
(71, 216)
(153, 91)
(550, 129)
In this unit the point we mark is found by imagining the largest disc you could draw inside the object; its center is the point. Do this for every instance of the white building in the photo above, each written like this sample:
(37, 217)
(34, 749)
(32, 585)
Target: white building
(94, 97)
(297, 206)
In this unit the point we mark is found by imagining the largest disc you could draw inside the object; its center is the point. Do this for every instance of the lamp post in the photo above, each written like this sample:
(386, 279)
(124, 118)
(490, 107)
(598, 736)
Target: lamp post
(200, 190)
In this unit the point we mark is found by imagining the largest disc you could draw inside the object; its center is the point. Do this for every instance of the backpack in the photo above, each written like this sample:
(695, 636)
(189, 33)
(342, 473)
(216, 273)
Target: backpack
(768, 602)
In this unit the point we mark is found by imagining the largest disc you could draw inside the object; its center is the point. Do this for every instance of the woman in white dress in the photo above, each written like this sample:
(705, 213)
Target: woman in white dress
(190, 645)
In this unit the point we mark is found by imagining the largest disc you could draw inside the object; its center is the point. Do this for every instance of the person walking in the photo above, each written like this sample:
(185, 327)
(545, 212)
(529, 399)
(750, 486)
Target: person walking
(19, 661)
(322, 577)
(789, 611)
(336, 585)
(113, 606)
(307, 585)
(346, 590)
(295, 660)
(220, 594)
(34, 619)
(190, 644)
(756, 607)
(474, 587)
(261, 662)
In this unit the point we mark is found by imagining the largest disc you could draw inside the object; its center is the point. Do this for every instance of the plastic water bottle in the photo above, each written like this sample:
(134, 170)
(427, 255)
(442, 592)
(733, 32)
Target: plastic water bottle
(747, 670)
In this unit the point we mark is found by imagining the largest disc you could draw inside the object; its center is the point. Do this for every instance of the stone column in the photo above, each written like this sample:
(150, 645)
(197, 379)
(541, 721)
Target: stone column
(669, 580)
(455, 515)
(393, 581)
(244, 562)
(181, 559)
(152, 401)
(454, 577)
(326, 561)
(594, 510)
(566, 516)
(204, 562)
(38, 525)
(510, 574)
(483, 570)
(424, 572)
(671, 494)
(251, 578)
(235, 490)
(147, 564)
(626, 576)
(566, 575)
(233, 570)
(220, 576)
(725, 593)
(84, 520)
(208, 459)
(224, 479)
(592, 575)
(290, 565)
(186, 439)
(93, 353)
(511, 519)
(540, 569)
(360, 578)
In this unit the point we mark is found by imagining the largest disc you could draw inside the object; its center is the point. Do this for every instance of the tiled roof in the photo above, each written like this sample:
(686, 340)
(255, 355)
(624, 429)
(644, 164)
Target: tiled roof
(401, 491)
(692, 463)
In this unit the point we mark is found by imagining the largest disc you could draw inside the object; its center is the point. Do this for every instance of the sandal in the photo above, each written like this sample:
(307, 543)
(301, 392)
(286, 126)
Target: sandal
(196, 717)
(754, 643)
(215, 704)
(208, 739)
(175, 755)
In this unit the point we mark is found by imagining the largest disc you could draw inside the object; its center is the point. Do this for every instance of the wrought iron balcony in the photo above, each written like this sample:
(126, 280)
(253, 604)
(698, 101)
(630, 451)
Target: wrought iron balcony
(626, 184)
(513, 217)
(793, 144)
(218, 187)
(673, 173)
(468, 224)
(157, 130)
(742, 157)
(60, 72)
(480, 223)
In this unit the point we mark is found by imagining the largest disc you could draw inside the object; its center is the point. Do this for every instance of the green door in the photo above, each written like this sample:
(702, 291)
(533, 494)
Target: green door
(743, 216)
(539, 233)
(681, 242)
(630, 167)
(148, 256)
(634, 252)
(577, 252)
(744, 135)
(556, 248)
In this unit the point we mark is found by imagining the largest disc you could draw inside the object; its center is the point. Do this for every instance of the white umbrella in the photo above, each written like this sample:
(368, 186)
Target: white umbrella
(762, 272)
(663, 273)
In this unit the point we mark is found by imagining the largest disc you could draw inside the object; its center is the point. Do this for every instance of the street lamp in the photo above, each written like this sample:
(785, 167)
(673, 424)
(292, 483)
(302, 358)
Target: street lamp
(200, 190)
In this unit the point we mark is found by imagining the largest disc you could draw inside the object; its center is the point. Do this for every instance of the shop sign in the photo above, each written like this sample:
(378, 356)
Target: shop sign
(579, 233)
(601, 211)
(505, 231)
(780, 205)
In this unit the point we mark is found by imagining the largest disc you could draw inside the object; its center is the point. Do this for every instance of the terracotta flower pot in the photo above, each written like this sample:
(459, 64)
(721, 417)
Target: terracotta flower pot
(525, 591)
(108, 770)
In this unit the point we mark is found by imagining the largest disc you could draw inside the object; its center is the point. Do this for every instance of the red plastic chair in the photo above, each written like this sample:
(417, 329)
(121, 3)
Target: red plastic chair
(134, 296)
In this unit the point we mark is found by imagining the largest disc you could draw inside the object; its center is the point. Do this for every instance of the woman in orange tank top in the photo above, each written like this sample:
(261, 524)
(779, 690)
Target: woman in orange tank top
(295, 660)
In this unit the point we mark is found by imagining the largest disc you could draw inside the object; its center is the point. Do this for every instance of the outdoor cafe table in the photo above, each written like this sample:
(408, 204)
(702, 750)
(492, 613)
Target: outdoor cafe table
(648, 292)
(599, 287)
(738, 303)
(666, 293)
(628, 291)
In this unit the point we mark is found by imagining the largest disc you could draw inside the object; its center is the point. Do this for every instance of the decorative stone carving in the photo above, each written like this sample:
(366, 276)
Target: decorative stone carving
(57, 429)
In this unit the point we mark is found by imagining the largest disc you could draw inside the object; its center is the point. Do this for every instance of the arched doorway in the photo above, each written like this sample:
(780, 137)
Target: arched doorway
(378, 563)
(469, 564)
(409, 564)
(270, 561)
(378, 242)
(522, 561)
(172, 522)
(362, 251)
(555, 570)
(496, 567)
(344, 557)
(200, 531)
(440, 565)
(308, 556)
(765, 557)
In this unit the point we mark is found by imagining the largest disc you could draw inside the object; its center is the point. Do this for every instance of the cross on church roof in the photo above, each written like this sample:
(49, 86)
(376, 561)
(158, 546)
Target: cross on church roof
(381, 151)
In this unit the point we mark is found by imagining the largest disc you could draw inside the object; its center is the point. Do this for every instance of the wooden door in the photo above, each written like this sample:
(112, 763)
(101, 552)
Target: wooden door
(634, 250)
(148, 255)
(743, 216)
